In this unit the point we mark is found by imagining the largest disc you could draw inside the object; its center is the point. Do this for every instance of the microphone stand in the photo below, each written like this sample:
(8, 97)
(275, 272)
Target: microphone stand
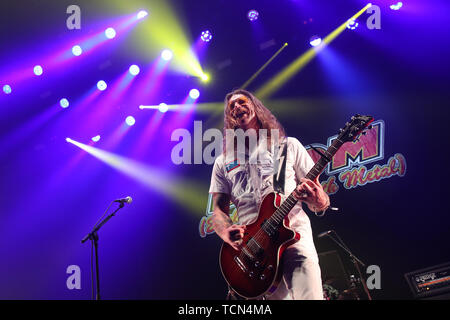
(93, 236)
(356, 262)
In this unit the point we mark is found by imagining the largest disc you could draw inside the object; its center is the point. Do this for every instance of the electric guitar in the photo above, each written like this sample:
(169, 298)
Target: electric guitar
(254, 270)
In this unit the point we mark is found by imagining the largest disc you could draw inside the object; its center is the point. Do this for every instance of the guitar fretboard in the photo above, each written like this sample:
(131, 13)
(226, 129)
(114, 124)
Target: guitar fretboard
(315, 171)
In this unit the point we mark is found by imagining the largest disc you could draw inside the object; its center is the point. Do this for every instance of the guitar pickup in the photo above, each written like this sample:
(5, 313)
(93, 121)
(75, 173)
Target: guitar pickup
(240, 264)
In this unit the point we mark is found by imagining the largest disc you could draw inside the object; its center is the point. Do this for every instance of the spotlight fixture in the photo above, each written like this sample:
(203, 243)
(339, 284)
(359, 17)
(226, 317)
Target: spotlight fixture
(194, 94)
(96, 138)
(64, 103)
(110, 33)
(37, 70)
(130, 120)
(166, 54)
(76, 50)
(7, 89)
(352, 24)
(396, 6)
(204, 77)
(142, 14)
(101, 85)
(163, 107)
(134, 70)
(252, 15)
(315, 41)
(206, 36)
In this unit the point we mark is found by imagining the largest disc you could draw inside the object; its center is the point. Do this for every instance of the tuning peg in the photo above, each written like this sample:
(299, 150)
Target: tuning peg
(364, 132)
(369, 127)
(353, 118)
(340, 130)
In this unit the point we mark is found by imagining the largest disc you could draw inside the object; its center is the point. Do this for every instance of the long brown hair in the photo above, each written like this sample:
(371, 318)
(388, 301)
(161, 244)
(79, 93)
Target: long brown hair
(266, 120)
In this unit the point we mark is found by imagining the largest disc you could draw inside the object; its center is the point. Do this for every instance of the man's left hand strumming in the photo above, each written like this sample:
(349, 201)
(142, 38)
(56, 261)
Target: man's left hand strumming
(313, 194)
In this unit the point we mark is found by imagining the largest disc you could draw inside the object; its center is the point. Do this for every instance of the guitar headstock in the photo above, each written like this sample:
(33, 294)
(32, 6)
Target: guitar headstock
(353, 129)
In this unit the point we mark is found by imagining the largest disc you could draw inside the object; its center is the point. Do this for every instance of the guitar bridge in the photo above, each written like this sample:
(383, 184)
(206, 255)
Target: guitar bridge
(248, 254)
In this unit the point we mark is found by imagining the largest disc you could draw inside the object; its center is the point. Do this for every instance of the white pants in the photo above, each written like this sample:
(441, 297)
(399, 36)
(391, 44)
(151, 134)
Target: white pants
(301, 277)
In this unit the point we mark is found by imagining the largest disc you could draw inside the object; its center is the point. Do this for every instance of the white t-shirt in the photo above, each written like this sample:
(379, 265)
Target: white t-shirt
(247, 184)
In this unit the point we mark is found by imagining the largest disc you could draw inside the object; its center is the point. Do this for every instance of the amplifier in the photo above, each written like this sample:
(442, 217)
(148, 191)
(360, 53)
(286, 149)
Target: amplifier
(430, 282)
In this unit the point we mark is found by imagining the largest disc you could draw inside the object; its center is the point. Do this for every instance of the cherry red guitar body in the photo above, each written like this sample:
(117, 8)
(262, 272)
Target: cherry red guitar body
(255, 269)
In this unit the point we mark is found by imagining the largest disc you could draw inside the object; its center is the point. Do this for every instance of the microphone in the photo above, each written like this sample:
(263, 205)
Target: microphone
(123, 200)
(325, 233)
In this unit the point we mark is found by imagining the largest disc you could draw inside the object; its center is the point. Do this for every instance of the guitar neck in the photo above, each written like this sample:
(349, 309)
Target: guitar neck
(315, 171)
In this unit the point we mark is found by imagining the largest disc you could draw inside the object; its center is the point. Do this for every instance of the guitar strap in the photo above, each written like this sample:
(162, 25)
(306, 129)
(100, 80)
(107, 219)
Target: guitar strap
(279, 175)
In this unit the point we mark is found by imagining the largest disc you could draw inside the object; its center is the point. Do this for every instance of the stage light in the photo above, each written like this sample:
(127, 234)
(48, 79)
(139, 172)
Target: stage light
(352, 24)
(37, 70)
(96, 138)
(110, 33)
(252, 15)
(166, 54)
(206, 36)
(315, 41)
(396, 6)
(130, 120)
(142, 14)
(245, 85)
(76, 50)
(101, 85)
(187, 193)
(6, 89)
(163, 107)
(165, 30)
(134, 70)
(304, 59)
(204, 77)
(64, 103)
(194, 94)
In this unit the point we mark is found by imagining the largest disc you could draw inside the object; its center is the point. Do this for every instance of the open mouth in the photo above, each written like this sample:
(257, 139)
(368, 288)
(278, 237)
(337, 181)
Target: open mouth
(240, 114)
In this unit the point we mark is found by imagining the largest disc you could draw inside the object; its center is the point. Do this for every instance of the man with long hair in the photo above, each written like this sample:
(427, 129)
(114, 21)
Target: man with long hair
(245, 183)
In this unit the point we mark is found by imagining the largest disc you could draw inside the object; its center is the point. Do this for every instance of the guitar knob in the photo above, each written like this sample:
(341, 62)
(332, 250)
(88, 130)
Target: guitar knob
(262, 277)
(270, 267)
(257, 263)
(251, 274)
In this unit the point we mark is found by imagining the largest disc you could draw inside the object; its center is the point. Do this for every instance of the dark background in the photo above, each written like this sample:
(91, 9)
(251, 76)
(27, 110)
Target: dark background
(54, 192)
